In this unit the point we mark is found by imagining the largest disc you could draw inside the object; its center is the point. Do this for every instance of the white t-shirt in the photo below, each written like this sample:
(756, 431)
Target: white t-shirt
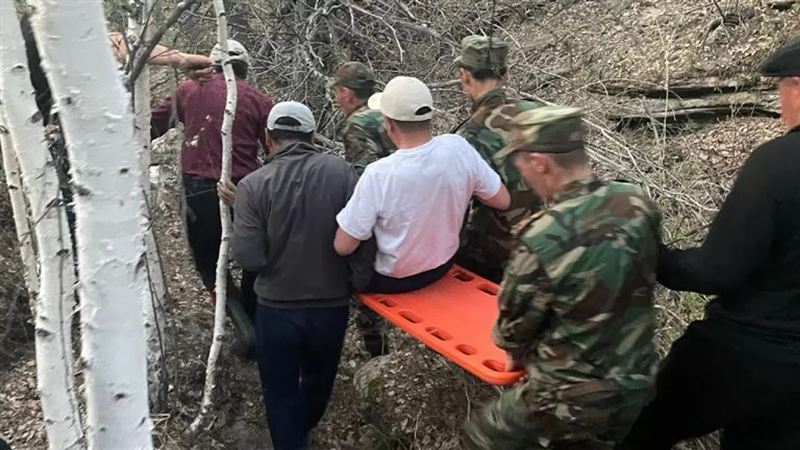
(414, 202)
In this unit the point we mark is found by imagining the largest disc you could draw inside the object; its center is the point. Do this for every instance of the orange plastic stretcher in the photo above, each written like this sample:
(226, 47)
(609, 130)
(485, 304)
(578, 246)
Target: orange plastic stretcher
(454, 317)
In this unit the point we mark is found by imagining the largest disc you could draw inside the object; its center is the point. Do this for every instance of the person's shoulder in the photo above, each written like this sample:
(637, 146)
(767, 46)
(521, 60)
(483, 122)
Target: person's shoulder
(331, 160)
(252, 180)
(775, 150)
(538, 234)
(627, 202)
(259, 174)
(254, 91)
(453, 141)
(523, 105)
(366, 115)
(366, 119)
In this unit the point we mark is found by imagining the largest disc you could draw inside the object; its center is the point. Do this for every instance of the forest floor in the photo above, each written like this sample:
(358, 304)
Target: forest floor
(603, 56)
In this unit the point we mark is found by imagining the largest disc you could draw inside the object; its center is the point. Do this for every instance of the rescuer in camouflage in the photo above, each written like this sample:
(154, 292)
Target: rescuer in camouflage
(487, 239)
(365, 141)
(363, 136)
(576, 304)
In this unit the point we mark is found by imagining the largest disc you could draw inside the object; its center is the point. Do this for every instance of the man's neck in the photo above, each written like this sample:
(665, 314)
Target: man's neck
(350, 109)
(412, 141)
(484, 87)
(570, 177)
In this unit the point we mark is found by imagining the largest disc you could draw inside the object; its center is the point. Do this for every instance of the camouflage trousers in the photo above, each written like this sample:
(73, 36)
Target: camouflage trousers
(476, 260)
(584, 416)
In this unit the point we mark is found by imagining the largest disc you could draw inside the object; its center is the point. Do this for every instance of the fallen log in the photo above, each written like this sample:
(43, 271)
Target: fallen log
(689, 88)
(782, 5)
(645, 111)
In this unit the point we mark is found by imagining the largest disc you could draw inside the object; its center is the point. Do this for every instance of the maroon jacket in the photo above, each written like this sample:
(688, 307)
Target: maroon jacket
(200, 107)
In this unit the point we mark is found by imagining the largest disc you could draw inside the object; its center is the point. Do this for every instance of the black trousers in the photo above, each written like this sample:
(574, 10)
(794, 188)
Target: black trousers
(706, 384)
(387, 285)
(364, 278)
(298, 353)
(204, 231)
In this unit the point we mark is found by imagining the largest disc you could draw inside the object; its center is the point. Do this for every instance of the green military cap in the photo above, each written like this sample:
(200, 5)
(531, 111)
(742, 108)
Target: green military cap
(478, 53)
(354, 75)
(549, 129)
(784, 62)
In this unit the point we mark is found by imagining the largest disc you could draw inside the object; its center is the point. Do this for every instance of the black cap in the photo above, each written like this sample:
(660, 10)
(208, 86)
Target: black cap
(785, 62)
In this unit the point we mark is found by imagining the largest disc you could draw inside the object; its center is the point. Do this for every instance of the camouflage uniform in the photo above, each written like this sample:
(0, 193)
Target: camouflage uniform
(364, 138)
(488, 239)
(365, 141)
(576, 309)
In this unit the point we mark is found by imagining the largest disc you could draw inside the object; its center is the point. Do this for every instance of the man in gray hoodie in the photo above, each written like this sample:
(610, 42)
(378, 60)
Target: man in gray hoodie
(283, 230)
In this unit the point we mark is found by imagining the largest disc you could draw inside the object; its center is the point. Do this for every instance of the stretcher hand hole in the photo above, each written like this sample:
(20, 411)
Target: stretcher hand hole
(389, 303)
(494, 365)
(461, 276)
(466, 349)
(485, 288)
(411, 317)
(438, 334)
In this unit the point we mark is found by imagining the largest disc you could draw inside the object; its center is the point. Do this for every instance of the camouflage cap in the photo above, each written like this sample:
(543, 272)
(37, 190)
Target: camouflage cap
(549, 129)
(354, 75)
(784, 62)
(476, 54)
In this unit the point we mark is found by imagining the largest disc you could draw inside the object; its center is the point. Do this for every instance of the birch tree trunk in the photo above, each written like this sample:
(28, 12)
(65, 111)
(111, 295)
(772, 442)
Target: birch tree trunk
(19, 209)
(98, 129)
(154, 316)
(55, 302)
(225, 215)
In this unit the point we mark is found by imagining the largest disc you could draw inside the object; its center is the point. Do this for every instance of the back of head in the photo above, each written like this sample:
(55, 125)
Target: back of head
(238, 54)
(784, 64)
(290, 121)
(484, 57)
(357, 77)
(408, 103)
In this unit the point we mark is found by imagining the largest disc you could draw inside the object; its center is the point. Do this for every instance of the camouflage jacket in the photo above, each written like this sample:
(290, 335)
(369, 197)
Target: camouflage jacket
(577, 299)
(488, 229)
(364, 138)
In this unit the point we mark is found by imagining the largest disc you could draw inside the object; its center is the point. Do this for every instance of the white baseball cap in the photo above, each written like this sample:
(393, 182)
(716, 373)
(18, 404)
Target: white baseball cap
(406, 99)
(236, 51)
(294, 110)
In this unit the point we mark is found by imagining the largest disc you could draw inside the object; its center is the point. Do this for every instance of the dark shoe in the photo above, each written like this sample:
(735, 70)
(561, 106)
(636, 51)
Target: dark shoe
(376, 345)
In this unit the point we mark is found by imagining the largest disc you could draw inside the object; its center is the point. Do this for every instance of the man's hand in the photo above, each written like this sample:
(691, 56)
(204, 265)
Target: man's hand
(226, 192)
(200, 75)
(196, 67)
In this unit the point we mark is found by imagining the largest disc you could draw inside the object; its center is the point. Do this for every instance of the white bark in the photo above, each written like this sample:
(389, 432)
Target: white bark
(20, 211)
(55, 302)
(98, 125)
(154, 316)
(225, 214)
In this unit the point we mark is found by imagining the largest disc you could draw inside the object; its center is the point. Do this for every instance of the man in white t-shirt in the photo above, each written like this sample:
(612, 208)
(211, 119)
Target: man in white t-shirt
(414, 201)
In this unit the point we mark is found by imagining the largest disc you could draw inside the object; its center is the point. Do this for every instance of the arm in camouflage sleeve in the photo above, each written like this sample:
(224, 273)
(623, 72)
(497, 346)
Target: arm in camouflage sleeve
(524, 304)
(359, 148)
(484, 141)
